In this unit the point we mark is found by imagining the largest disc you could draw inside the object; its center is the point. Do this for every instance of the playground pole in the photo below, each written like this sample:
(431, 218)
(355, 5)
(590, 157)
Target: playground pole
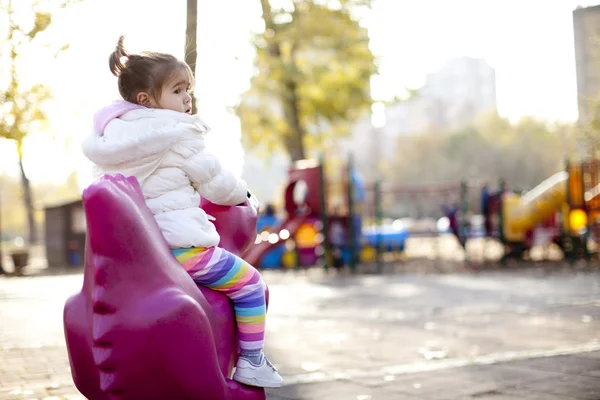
(501, 222)
(586, 252)
(463, 218)
(323, 204)
(351, 214)
(378, 223)
(567, 240)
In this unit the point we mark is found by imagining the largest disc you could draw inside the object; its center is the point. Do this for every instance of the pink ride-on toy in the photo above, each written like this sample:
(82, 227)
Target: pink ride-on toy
(140, 329)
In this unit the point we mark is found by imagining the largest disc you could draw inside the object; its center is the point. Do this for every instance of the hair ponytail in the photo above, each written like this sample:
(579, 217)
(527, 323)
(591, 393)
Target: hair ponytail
(114, 62)
(144, 72)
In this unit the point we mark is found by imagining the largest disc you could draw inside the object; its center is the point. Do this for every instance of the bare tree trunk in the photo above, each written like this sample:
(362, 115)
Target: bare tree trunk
(27, 199)
(294, 142)
(191, 45)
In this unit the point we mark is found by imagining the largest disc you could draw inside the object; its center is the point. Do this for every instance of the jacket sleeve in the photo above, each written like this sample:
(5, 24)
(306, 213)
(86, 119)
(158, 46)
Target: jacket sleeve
(213, 182)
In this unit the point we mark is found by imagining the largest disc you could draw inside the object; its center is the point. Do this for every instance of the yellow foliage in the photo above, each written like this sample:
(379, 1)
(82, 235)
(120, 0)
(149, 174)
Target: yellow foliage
(325, 54)
(13, 213)
(22, 107)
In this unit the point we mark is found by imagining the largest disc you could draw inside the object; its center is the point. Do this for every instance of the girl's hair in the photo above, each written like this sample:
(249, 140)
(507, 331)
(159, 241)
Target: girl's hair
(144, 72)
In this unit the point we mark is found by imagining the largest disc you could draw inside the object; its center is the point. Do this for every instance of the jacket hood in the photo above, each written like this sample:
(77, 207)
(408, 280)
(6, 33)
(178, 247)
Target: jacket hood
(110, 112)
(125, 132)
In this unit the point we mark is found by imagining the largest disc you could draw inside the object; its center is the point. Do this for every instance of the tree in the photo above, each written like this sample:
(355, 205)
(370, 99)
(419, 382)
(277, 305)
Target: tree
(191, 44)
(490, 149)
(14, 217)
(23, 106)
(313, 70)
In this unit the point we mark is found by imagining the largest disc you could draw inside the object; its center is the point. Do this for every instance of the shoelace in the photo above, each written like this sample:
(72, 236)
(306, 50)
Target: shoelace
(270, 365)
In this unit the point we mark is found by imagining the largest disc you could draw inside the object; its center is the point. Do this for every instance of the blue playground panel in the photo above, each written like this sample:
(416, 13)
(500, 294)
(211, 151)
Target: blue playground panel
(272, 258)
(391, 239)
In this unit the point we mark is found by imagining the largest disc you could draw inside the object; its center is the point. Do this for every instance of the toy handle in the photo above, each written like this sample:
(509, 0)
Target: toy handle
(236, 225)
(251, 201)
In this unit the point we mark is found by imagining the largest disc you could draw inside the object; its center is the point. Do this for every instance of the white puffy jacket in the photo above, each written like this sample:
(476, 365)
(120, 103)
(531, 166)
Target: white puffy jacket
(166, 152)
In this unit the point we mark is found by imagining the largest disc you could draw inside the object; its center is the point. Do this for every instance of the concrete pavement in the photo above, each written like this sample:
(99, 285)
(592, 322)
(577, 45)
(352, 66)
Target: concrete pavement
(530, 334)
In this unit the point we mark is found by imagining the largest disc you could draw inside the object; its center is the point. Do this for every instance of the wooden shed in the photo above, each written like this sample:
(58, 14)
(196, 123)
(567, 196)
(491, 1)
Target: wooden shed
(65, 234)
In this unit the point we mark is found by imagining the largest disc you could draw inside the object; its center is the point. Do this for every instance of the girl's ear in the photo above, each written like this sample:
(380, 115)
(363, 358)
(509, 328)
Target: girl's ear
(144, 99)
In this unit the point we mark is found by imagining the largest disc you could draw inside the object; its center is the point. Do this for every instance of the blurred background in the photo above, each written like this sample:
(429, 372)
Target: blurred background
(384, 137)
(433, 81)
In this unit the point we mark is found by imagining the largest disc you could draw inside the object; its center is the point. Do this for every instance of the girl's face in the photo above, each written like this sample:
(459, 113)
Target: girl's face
(175, 94)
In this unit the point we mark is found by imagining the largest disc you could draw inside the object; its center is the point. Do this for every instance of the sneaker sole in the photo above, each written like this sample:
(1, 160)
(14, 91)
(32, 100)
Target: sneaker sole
(256, 382)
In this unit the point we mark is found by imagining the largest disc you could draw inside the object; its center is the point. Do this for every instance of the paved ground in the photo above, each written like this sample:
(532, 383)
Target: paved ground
(547, 378)
(490, 335)
(555, 378)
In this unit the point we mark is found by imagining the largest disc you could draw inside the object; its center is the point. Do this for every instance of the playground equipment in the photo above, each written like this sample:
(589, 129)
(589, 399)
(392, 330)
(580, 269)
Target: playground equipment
(306, 211)
(140, 329)
(567, 204)
(323, 201)
(521, 214)
(564, 209)
(272, 258)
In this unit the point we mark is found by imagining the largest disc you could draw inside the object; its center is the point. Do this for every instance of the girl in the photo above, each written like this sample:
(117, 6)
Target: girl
(153, 136)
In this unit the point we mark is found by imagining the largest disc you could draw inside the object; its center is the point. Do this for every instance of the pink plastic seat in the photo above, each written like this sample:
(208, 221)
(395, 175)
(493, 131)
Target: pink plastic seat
(140, 329)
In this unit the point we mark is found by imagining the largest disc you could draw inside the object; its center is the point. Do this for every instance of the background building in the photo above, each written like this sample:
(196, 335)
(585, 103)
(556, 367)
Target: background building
(586, 25)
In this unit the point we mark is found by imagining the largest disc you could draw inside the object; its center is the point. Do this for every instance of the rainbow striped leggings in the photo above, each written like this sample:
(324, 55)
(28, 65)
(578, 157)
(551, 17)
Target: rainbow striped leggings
(224, 272)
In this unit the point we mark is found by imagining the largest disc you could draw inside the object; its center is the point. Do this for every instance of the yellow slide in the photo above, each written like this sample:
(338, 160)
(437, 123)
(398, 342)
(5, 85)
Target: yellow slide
(521, 213)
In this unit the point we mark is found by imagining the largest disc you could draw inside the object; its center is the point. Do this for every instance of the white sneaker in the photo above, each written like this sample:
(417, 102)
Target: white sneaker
(265, 375)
